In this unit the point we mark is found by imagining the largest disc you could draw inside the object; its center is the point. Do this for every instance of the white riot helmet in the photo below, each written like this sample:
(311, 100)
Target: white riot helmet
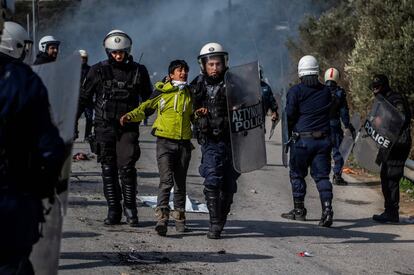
(332, 74)
(117, 40)
(308, 65)
(15, 42)
(83, 53)
(46, 41)
(210, 50)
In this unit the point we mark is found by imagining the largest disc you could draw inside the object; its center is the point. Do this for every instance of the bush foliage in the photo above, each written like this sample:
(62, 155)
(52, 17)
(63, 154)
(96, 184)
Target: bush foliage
(362, 38)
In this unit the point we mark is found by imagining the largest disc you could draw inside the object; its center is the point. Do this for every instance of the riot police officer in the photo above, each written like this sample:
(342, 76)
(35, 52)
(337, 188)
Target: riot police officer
(117, 85)
(392, 166)
(210, 105)
(269, 101)
(339, 112)
(31, 152)
(48, 50)
(307, 108)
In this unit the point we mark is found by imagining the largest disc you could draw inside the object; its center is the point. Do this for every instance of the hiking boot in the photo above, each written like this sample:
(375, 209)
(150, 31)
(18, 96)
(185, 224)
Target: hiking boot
(162, 223)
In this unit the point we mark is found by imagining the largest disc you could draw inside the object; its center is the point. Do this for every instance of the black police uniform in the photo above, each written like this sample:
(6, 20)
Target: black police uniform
(269, 101)
(43, 58)
(392, 168)
(88, 111)
(220, 178)
(31, 156)
(117, 88)
(307, 108)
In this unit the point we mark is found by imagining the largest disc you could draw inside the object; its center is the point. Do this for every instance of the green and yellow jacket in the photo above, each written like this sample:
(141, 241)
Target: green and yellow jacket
(174, 111)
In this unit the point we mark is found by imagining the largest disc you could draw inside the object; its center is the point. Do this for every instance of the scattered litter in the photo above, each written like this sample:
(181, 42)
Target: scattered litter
(80, 156)
(253, 191)
(409, 191)
(348, 170)
(305, 254)
(135, 258)
(190, 204)
(221, 251)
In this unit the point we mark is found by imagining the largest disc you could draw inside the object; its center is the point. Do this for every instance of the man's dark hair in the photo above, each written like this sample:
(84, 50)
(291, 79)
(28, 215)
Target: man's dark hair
(380, 80)
(177, 64)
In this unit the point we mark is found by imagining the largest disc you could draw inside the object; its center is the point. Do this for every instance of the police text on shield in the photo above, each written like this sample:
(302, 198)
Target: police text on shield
(381, 140)
(246, 118)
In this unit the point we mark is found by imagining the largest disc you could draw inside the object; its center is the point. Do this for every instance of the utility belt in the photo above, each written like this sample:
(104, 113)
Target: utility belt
(314, 134)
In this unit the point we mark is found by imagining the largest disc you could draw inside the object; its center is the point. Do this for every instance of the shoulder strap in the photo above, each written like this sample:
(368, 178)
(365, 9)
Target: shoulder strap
(137, 75)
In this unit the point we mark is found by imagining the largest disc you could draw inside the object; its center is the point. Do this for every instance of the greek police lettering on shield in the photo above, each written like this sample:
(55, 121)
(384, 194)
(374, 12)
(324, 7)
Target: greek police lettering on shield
(247, 118)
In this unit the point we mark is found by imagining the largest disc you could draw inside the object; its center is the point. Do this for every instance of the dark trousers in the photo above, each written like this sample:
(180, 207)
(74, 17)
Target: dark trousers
(316, 154)
(337, 135)
(89, 122)
(118, 149)
(173, 158)
(392, 171)
(217, 166)
(21, 216)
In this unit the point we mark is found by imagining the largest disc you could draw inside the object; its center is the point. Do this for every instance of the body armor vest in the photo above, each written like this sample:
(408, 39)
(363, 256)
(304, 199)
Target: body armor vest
(119, 97)
(216, 103)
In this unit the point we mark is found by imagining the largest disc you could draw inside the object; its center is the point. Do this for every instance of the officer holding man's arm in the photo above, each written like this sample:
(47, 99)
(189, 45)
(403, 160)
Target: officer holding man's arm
(392, 166)
(114, 87)
(307, 108)
(213, 133)
(339, 112)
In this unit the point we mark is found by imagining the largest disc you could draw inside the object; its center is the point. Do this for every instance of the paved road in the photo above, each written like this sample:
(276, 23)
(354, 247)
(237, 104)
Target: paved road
(256, 240)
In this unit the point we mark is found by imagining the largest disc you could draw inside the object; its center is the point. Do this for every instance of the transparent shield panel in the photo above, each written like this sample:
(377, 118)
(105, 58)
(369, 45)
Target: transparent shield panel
(62, 80)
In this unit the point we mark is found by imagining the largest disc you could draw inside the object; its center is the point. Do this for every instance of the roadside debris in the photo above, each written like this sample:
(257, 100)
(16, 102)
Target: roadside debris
(81, 156)
(136, 258)
(305, 254)
(190, 204)
(348, 170)
(221, 251)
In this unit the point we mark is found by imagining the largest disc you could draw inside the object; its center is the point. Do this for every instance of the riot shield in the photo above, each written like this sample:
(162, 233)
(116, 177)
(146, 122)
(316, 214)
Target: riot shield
(62, 80)
(378, 134)
(244, 101)
(285, 132)
(348, 141)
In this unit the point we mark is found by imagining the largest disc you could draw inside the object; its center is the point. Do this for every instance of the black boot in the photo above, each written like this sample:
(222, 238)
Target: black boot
(213, 204)
(327, 214)
(389, 216)
(298, 212)
(129, 190)
(112, 192)
(226, 199)
(338, 180)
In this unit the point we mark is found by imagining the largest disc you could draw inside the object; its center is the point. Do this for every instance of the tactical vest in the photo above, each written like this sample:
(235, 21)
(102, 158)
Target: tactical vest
(216, 103)
(119, 97)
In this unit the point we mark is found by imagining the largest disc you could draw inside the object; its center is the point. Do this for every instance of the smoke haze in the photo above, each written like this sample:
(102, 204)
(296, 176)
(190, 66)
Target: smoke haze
(177, 29)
